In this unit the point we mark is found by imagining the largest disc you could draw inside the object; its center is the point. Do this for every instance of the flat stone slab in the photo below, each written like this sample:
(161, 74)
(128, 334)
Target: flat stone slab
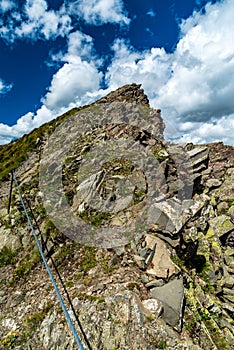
(221, 225)
(171, 295)
(171, 215)
(160, 264)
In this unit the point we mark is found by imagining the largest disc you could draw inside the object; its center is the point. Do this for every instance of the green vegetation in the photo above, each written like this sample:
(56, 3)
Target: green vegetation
(16, 152)
(176, 260)
(69, 284)
(69, 196)
(11, 340)
(50, 229)
(144, 110)
(35, 319)
(230, 202)
(133, 285)
(204, 275)
(66, 251)
(162, 344)
(21, 218)
(150, 318)
(89, 259)
(15, 338)
(28, 262)
(139, 195)
(160, 154)
(94, 217)
(28, 186)
(98, 300)
(118, 166)
(8, 256)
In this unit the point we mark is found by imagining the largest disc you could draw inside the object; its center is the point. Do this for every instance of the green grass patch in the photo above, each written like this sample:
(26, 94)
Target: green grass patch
(95, 218)
(8, 256)
(88, 260)
(28, 262)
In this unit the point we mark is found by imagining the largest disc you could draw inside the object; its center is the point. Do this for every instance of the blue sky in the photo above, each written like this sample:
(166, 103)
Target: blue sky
(58, 54)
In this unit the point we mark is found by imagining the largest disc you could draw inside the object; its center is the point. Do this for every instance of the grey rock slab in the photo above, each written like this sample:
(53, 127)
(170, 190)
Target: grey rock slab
(221, 225)
(166, 215)
(229, 298)
(225, 192)
(145, 279)
(161, 265)
(88, 187)
(171, 295)
(176, 185)
(7, 239)
(140, 261)
(229, 256)
(173, 241)
(155, 283)
(231, 212)
(228, 282)
(171, 214)
(211, 183)
(197, 156)
(228, 291)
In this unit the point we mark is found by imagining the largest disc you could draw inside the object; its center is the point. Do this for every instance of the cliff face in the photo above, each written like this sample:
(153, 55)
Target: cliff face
(141, 231)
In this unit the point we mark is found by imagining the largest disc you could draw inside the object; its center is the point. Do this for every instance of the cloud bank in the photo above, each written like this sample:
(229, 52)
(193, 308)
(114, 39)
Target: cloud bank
(99, 11)
(193, 86)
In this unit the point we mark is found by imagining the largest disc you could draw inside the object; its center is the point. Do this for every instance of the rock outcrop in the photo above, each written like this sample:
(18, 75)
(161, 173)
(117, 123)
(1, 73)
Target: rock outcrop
(153, 267)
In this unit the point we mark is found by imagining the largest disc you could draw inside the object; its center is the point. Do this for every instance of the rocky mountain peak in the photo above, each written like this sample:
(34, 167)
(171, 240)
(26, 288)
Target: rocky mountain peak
(141, 231)
(127, 93)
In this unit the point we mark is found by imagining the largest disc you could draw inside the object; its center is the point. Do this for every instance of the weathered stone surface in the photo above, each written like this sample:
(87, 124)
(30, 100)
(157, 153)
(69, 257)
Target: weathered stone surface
(7, 239)
(225, 191)
(221, 225)
(190, 225)
(228, 282)
(171, 295)
(160, 265)
(127, 93)
(168, 214)
(231, 212)
(87, 190)
(222, 207)
(213, 183)
(140, 261)
(155, 283)
(154, 306)
(171, 214)
(229, 256)
(199, 158)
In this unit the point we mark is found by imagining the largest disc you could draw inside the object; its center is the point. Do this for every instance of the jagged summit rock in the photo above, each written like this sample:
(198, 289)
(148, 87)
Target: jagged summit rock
(127, 93)
(169, 284)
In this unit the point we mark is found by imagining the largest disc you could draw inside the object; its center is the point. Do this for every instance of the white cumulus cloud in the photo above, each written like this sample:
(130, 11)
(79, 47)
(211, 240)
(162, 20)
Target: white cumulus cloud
(6, 5)
(195, 83)
(150, 68)
(35, 21)
(75, 83)
(77, 77)
(193, 86)
(99, 11)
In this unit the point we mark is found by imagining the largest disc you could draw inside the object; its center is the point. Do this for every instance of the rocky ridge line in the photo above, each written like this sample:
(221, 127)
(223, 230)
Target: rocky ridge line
(171, 287)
